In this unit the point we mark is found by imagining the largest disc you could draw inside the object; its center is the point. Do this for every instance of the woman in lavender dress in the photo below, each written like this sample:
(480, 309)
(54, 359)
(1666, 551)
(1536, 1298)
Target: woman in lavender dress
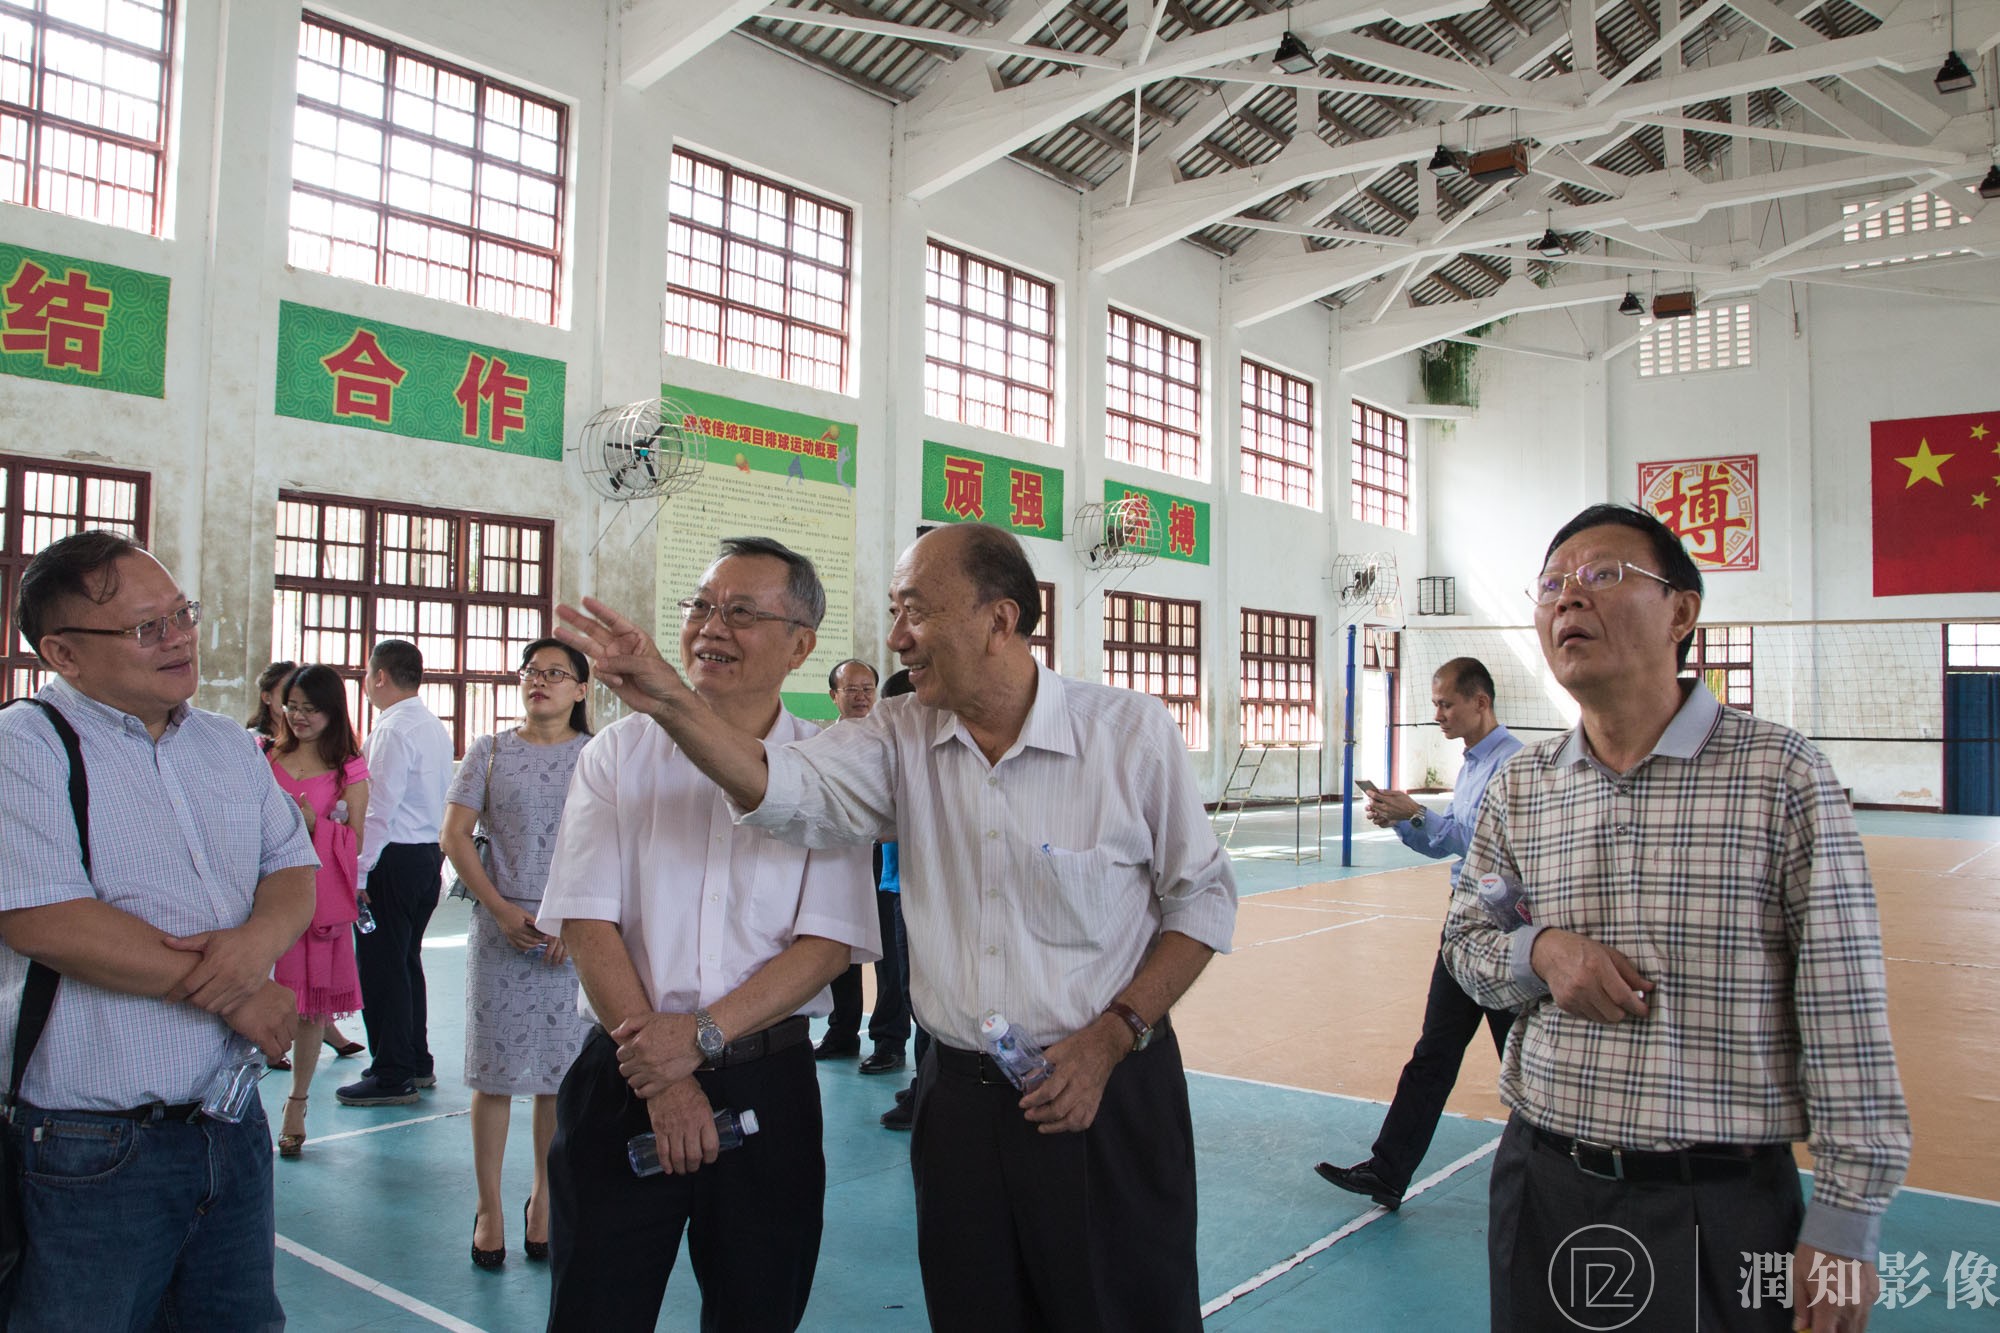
(522, 1028)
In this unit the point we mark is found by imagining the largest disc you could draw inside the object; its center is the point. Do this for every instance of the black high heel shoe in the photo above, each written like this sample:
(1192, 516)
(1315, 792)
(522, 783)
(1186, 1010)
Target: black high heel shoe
(536, 1249)
(487, 1259)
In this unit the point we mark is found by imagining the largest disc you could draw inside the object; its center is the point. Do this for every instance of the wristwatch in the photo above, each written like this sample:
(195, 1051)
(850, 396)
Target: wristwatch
(1142, 1031)
(1417, 820)
(708, 1037)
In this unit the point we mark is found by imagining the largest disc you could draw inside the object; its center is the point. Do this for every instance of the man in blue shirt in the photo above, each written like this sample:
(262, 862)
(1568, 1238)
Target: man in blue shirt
(1462, 694)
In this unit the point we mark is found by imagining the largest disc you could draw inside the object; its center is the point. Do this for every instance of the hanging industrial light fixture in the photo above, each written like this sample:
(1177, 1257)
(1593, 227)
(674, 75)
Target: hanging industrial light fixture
(1294, 56)
(1445, 162)
(1953, 75)
(1551, 245)
(1631, 305)
(1990, 187)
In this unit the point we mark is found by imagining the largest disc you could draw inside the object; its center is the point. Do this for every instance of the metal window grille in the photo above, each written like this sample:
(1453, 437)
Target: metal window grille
(1280, 449)
(989, 344)
(41, 502)
(1380, 483)
(1280, 678)
(423, 176)
(1721, 657)
(1717, 337)
(84, 91)
(1929, 212)
(1152, 396)
(1042, 643)
(470, 590)
(759, 274)
(1153, 645)
(1437, 596)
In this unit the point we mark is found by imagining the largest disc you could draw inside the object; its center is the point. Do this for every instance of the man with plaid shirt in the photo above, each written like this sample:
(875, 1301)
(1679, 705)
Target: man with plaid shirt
(1700, 981)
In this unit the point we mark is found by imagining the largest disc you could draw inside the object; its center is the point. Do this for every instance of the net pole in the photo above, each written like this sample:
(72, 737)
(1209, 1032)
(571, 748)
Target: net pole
(1347, 759)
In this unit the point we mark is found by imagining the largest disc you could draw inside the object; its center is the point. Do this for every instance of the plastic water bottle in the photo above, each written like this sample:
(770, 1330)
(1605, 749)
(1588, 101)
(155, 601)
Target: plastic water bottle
(731, 1128)
(235, 1082)
(1505, 901)
(340, 812)
(365, 923)
(1015, 1052)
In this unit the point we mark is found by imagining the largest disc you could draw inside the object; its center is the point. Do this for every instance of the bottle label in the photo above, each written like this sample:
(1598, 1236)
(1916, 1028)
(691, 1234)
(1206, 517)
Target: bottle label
(1505, 901)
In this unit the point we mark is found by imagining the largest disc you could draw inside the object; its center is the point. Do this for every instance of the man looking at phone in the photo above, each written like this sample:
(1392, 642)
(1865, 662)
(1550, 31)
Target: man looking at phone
(1462, 694)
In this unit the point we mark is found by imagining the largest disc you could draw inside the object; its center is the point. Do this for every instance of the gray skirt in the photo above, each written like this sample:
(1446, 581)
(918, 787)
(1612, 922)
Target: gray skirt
(522, 1029)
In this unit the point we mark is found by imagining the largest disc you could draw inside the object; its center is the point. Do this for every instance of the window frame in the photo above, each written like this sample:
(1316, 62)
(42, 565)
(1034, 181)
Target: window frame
(19, 662)
(451, 686)
(1370, 466)
(1984, 646)
(1042, 643)
(36, 117)
(792, 257)
(1120, 444)
(1123, 611)
(475, 235)
(1257, 446)
(1276, 705)
(1013, 386)
(1707, 655)
(1695, 347)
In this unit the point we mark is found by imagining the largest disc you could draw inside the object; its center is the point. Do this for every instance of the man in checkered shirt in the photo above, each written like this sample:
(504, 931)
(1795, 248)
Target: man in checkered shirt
(1700, 982)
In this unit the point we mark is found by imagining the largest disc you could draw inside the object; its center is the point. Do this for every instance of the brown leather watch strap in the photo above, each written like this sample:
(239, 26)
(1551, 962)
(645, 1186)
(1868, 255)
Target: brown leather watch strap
(1142, 1031)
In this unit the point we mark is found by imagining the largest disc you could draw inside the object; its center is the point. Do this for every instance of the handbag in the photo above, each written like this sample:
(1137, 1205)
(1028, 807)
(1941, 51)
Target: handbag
(38, 997)
(480, 842)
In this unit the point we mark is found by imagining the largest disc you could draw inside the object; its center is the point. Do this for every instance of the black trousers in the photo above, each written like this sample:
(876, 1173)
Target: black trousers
(1451, 1021)
(1094, 1232)
(1570, 1250)
(402, 892)
(752, 1216)
(889, 1024)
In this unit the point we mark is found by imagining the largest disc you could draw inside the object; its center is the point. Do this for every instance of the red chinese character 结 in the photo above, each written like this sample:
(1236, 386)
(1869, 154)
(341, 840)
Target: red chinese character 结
(64, 321)
(364, 378)
(965, 487)
(505, 397)
(1180, 529)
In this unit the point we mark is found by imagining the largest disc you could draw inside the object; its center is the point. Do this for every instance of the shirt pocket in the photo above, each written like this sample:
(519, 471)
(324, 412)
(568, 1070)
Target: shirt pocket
(1067, 899)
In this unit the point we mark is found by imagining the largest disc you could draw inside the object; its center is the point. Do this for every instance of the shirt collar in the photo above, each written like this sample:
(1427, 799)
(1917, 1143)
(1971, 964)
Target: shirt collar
(1488, 743)
(1048, 725)
(1693, 723)
(67, 696)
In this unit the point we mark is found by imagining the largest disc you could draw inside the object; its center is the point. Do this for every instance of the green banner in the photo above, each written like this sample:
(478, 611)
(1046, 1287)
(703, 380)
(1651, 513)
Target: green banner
(963, 485)
(77, 321)
(350, 371)
(769, 473)
(1186, 521)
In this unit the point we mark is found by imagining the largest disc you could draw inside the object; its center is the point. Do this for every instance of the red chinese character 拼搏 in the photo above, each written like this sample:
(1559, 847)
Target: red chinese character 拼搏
(965, 487)
(64, 321)
(1180, 529)
(505, 397)
(364, 378)
(1025, 490)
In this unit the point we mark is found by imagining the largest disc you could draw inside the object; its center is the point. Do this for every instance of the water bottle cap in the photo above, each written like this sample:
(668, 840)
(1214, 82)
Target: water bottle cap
(747, 1122)
(994, 1024)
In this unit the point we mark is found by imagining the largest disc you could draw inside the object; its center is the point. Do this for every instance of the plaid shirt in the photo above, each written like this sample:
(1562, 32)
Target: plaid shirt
(1726, 865)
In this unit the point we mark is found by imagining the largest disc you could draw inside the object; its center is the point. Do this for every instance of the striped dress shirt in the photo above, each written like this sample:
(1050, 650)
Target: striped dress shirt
(181, 832)
(1726, 865)
(1034, 886)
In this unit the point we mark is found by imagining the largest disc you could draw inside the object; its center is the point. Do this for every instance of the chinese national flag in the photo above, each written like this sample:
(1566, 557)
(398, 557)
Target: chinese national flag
(1937, 504)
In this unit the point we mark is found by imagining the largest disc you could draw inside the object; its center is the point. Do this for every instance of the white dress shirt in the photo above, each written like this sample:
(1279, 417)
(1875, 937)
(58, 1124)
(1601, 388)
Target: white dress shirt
(1034, 886)
(409, 768)
(649, 843)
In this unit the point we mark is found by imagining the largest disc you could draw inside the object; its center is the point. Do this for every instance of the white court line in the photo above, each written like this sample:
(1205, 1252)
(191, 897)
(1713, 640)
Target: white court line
(1303, 907)
(368, 1284)
(1356, 909)
(1322, 1092)
(1287, 939)
(393, 1124)
(1977, 856)
(1942, 1194)
(1331, 1239)
(1940, 962)
(444, 941)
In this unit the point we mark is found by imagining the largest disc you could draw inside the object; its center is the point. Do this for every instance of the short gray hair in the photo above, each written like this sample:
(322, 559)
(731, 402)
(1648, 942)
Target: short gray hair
(802, 586)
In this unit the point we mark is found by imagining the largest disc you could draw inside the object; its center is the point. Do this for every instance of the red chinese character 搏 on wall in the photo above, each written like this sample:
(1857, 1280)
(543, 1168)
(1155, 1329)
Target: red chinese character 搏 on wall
(1025, 489)
(1180, 528)
(64, 321)
(364, 378)
(505, 397)
(965, 487)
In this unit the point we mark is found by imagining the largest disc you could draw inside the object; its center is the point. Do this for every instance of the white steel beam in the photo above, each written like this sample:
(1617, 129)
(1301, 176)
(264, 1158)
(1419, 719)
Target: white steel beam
(656, 37)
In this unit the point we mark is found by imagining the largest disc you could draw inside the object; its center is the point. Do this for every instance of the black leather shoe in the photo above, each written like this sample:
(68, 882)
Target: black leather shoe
(884, 1061)
(487, 1259)
(536, 1249)
(1361, 1179)
(899, 1116)
(829, 1049)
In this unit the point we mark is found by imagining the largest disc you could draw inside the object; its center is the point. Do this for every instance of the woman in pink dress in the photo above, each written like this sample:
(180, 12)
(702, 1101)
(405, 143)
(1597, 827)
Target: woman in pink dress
(319, 765)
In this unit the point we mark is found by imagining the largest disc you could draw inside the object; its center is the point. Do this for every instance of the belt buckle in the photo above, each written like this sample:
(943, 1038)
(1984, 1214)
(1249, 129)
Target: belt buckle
(1617, 1159)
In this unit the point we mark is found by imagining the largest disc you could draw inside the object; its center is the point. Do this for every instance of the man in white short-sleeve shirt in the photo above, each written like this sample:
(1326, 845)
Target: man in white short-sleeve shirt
(702, 948)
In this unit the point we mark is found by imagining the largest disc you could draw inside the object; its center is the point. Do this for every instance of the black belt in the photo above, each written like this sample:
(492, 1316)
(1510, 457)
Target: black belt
(1695, 1164)
(187, 1111)
(980, 1068)
(793, 1031)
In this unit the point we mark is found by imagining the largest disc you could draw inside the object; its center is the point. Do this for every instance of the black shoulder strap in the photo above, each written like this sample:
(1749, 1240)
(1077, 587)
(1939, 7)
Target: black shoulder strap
(38, 996)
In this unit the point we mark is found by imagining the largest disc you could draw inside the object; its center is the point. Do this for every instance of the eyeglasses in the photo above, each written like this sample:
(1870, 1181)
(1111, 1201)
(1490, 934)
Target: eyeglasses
(1597, 576)
(149, 633)
(302, 710)
(545, 675)
(857, 691)
(737, 615)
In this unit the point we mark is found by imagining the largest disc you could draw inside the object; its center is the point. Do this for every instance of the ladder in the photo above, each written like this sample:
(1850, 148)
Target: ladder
(1236, 791)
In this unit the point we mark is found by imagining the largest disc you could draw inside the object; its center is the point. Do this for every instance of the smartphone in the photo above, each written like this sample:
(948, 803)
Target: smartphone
(1368, 786)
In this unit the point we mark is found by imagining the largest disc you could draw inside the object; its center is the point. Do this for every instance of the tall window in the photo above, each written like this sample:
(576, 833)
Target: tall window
(470, 590)
(758, 274)
(41, 502)
(1380, 484)
(989, 344)
(1042, 643)
(1712, 338)
(1720, 658)
(1152, 396)
(1927, 212)
(1280, 457)
(1280, 680)
(411, 173)
(83, 107)
(1153, 645)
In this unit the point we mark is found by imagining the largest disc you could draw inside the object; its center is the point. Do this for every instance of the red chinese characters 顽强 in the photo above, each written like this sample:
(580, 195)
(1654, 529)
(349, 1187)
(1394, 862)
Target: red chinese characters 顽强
(505, 396)
(64, 321)
(364, 378)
